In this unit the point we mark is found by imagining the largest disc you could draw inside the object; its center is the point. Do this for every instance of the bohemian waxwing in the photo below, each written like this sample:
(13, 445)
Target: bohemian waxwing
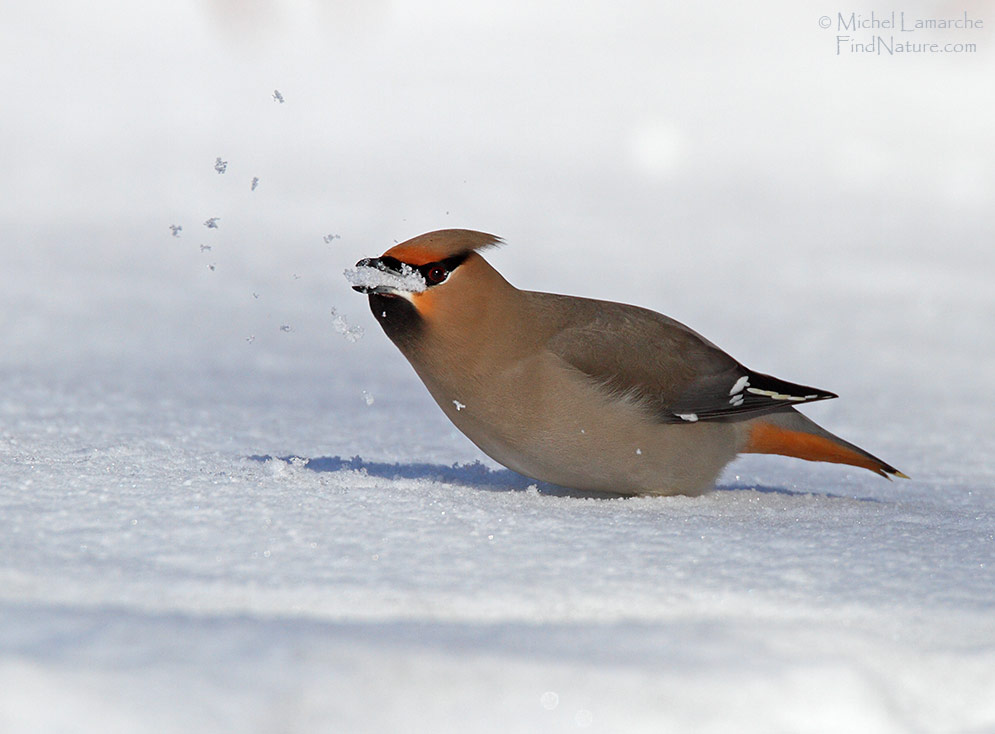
(586, 394)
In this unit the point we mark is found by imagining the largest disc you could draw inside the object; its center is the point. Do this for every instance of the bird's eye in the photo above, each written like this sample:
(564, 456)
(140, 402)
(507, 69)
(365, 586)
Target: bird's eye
(436, 274)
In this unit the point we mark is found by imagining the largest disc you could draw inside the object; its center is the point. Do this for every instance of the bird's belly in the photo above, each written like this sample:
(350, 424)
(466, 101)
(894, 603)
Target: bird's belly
(662, 459)
(577, 437)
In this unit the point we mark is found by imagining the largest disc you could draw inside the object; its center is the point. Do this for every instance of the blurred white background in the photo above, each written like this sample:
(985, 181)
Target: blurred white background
(641, 151)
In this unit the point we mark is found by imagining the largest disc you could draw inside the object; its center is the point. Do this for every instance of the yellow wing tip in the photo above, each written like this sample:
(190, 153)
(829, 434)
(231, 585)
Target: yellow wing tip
(902, 475)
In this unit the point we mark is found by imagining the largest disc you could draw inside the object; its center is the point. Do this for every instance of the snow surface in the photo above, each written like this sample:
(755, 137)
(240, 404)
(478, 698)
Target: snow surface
(208, 524)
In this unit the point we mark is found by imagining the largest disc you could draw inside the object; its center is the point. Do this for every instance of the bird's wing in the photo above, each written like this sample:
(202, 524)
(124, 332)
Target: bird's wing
(674, 372)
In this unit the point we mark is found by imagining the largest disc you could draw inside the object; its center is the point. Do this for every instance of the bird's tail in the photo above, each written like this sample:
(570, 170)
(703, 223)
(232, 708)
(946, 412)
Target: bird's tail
(792, 434)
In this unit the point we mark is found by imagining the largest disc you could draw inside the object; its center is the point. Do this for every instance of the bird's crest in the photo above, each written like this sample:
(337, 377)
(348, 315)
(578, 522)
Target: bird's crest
(441, 244)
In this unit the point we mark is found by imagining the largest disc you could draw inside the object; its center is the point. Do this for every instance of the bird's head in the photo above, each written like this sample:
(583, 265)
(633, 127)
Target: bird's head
(436, 277)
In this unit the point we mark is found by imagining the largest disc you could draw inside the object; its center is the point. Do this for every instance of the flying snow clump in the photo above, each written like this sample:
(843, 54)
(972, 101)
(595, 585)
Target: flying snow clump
(342, 326)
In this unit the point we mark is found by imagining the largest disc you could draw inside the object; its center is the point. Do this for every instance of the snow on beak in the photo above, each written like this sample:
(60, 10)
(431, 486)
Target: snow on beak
(385, 276)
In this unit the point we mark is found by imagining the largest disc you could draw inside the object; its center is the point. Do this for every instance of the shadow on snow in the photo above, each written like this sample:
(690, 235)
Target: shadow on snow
(470, 475)
(482, 477)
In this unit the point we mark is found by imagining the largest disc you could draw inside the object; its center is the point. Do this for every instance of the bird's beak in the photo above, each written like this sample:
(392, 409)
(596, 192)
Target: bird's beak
(385, 276)
(373, 262)
(370, 262)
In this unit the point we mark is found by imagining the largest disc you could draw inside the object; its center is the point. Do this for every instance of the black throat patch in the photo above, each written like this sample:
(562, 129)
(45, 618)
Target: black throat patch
(398, 317)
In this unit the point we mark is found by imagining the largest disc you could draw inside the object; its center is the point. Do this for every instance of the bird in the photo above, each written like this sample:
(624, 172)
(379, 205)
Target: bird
(587, 394)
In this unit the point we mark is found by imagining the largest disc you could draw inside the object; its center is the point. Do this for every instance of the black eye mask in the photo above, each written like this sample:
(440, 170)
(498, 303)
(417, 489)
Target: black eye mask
(437, 272)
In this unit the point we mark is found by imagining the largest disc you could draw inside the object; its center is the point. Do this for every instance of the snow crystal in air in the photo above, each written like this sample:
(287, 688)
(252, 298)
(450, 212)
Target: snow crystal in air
(176, 229)
(341, 325)
(286, 328)
(368, 398)
(277, 97)
(255, 182)
(689, 417)
(212, 223)
(205, 248)
(459, 405)
(329, 237)
(408, 280)
(220, 166)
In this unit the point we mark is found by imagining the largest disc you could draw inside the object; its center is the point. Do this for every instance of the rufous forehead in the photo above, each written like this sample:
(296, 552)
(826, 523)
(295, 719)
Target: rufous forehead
(414, 254)
(435, 246)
